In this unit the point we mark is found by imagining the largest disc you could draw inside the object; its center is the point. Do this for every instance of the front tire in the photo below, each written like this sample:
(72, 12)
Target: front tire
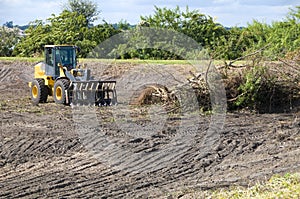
(60, 88)
(39, 91)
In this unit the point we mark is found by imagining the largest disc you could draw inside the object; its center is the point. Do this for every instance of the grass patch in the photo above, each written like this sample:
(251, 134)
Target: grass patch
(152, 61)
(136, 61)
(27, 59)
(286, 186)
(118, 61)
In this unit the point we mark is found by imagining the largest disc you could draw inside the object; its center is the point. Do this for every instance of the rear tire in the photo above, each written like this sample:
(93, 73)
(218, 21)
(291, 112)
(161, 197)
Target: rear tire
(39, 91)
(60, 88)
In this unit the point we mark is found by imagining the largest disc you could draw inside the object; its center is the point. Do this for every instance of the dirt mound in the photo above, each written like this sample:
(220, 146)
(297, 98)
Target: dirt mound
(42, 153)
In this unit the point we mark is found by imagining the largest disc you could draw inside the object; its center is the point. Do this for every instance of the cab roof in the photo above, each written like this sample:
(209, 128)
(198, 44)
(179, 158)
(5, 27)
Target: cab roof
(64, 45)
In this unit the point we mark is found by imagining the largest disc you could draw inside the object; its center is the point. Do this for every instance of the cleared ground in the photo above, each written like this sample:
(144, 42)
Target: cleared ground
(42, 154)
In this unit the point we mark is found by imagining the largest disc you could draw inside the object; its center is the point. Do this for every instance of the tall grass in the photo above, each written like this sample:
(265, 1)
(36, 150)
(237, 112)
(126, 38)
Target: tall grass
(120, 61)
(27, 59)
(133, 61)
(278, 186)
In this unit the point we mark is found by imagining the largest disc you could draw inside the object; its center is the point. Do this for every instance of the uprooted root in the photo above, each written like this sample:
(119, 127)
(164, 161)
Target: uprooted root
(183, 97)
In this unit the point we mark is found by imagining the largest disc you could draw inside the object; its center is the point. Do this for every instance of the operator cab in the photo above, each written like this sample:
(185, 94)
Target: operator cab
(59, 54)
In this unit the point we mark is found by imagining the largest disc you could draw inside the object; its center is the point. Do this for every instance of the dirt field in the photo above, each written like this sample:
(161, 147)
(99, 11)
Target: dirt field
(43, 153)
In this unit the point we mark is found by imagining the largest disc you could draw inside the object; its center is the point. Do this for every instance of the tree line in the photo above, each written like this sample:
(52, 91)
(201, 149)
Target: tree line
(74, 25)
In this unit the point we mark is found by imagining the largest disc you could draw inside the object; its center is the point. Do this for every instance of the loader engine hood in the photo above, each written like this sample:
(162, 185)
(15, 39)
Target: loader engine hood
(76, 75)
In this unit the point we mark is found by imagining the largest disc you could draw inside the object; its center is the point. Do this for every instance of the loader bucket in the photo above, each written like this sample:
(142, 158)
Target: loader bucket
(106, 94)
(100, 93)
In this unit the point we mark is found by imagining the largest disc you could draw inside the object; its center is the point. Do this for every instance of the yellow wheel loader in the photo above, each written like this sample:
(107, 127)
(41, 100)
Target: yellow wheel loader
(60, 76)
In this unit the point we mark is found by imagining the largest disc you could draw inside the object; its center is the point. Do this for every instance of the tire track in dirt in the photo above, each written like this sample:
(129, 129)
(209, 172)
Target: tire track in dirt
(78, 176)
(6, 74)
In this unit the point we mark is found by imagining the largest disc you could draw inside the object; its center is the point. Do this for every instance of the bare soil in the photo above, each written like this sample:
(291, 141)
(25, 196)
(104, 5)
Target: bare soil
(43, 156)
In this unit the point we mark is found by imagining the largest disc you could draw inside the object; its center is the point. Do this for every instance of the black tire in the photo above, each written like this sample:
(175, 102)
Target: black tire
(59, 93)
(39, 91)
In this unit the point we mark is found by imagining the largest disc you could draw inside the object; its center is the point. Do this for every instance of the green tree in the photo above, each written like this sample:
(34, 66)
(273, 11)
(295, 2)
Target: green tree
(194, 24)
(285, 35)
(198, 26)
(9, 37)
(87, 8)
(37, 35)
(230, 45)
(276, 39)
(66, 28)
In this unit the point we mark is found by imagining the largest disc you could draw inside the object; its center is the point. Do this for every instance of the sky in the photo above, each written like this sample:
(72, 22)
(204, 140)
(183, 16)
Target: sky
(226, 12)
